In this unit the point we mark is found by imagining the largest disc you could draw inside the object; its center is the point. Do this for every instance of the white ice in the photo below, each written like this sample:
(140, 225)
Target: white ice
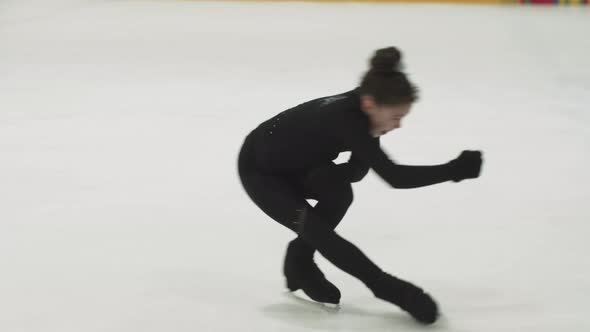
(120, 124)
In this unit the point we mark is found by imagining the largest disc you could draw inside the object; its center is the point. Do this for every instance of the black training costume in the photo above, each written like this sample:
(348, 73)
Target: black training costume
(288, 159)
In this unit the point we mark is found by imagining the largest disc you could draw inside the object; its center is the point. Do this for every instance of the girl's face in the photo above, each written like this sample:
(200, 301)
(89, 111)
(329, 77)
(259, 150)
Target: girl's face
(383, 118)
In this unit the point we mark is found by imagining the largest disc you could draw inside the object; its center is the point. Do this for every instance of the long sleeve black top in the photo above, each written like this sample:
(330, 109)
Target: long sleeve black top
(314, 133)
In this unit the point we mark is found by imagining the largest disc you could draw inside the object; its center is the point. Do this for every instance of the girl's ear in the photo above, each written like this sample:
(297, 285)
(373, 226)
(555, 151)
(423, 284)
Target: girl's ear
(367, 103)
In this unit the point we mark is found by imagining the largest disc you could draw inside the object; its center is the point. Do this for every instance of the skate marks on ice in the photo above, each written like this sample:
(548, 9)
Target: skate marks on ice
(304, 313)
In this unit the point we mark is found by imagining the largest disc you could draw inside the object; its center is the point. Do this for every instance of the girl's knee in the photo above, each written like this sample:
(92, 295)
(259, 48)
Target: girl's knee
(315, 233)
(330, 190)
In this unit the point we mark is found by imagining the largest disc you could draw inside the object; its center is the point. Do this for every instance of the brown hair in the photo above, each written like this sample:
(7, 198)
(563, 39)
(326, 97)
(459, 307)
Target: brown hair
(386, 82)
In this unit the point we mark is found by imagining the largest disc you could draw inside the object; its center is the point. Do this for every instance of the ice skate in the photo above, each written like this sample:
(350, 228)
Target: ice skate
(301, 272)
(407, 296)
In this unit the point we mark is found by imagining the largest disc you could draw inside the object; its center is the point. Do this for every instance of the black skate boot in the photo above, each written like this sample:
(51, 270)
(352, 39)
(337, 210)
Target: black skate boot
(407, 296)
(302, 273)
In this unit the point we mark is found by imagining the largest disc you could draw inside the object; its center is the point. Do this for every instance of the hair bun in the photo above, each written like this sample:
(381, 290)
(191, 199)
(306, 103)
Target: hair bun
(386, 60)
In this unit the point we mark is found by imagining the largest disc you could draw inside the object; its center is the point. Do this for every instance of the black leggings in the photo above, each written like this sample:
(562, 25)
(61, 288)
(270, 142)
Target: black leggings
(283, 198)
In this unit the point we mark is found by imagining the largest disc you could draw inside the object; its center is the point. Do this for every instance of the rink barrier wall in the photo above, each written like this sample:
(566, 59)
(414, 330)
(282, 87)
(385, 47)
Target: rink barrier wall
(500, 2)
(554, 2)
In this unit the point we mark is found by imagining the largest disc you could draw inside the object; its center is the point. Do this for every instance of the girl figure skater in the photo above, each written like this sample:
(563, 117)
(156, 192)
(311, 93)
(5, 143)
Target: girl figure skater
(289, 158)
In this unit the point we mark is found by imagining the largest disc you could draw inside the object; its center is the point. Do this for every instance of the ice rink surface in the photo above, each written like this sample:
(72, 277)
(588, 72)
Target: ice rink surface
(120, 124)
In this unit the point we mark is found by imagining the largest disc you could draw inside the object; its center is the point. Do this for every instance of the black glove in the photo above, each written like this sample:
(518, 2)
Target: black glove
(466, 166)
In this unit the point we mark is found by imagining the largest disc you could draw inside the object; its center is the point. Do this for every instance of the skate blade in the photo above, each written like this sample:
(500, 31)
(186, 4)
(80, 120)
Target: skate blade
(329, 307)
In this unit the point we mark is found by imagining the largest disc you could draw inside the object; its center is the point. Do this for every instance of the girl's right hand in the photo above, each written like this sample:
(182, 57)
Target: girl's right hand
(466, 166)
